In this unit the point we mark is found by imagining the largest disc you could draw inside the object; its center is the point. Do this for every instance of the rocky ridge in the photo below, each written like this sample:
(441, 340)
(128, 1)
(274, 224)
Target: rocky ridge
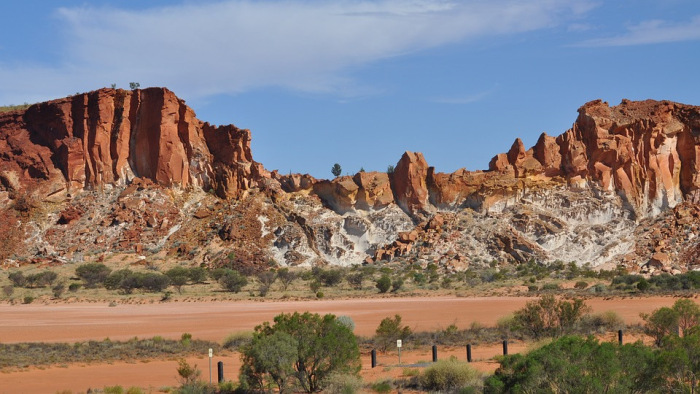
(134, 173)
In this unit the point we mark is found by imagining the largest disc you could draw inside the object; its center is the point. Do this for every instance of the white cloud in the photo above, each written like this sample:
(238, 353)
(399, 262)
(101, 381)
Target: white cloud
(464, 99)
(234, 46)
(652, 32)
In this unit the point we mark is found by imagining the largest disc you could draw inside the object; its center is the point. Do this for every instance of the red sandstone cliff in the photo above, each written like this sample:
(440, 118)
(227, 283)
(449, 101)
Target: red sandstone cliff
(588, 195)
(108, 137)
(648, 151)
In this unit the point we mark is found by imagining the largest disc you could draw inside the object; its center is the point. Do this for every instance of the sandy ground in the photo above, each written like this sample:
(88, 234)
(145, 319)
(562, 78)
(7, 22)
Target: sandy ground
(215, 320)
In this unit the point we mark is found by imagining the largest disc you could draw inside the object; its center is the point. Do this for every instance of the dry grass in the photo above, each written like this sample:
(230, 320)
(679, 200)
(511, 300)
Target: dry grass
(23, 355)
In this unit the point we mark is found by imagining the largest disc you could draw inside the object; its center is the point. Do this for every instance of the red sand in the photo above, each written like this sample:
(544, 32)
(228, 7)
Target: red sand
(215, 320)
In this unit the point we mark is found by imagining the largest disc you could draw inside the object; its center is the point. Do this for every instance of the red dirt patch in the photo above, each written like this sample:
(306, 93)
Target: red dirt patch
(215, 320)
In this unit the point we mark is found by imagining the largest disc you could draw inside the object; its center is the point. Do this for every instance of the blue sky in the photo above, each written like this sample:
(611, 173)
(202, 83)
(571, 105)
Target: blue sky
(360, 82)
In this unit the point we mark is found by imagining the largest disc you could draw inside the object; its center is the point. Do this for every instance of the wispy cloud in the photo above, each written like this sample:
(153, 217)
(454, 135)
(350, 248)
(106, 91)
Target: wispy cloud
(652, 32)
(234, 46)
(463, 99)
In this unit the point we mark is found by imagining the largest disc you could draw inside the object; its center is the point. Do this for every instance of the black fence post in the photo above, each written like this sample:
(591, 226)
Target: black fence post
(505, 347)
(619, 337)
(469, 353)
(434, 353)
(220, 368)
(374, 358)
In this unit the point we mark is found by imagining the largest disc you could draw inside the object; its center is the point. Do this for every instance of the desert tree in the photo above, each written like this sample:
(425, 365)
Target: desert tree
(336, 170)
(307, 346)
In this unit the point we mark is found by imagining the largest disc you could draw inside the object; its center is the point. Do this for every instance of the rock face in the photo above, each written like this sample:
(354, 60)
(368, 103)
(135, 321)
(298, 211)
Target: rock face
(136, 172)
(646, 151)
(109, 137)
(409, 182)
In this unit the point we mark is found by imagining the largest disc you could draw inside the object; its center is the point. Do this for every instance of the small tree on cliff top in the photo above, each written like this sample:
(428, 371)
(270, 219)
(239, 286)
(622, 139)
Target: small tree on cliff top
(336, 170)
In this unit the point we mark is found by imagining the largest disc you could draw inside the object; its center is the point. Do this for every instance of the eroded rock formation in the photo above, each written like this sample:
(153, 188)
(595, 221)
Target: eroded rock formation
(111, 136)
(137, 172)
(647, 151)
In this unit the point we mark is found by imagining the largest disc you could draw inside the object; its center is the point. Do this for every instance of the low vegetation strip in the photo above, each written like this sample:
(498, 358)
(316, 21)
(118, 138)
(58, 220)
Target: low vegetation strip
(8, 108)
(23, 355)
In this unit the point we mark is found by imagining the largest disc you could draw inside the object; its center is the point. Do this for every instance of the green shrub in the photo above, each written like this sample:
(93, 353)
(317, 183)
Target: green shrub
(179, 276)
(73, 287)
(237, 340)
(581, 285)
(330, 277)
(627, 279)
(576, 365)
(197, 274)
(339, 383)
(123, 279)
(188, 375)
(389, 330)
(38, 279)
(58, 289)
(660, 323)
(449, 375)
(347, 322)
(154, 282)
(28, 299)
(409, 372)
(233, 281)
(446, 283)
(396, 284)
(93, 274)
(550, 287)
(47, 278)
(598, 289)
(315, 285)
(548, 316)
(286, 277)
(304, 347)
(217, 273)
(113, 390)
(127, 281)
(670, 282)
(8, 290)
(17, 278)
(688, 314)
(602, 322)
(419, 278)
(643, 285)
(384, 283)
(198, 387)
(266, 279)
(355, 280)
(228, 387)
(384, 386)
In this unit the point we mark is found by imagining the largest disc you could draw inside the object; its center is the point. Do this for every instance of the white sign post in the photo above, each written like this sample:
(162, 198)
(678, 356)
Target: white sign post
(211, 354)
(398, 345)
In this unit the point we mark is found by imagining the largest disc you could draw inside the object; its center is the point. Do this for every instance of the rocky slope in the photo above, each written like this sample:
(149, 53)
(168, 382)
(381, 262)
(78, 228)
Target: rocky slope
(134, 174)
